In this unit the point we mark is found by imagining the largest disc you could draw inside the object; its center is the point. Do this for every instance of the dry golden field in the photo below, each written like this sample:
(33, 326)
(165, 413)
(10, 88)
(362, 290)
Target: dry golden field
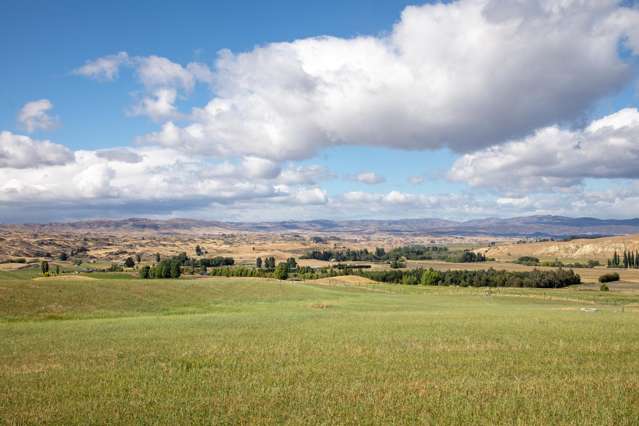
(115, 245)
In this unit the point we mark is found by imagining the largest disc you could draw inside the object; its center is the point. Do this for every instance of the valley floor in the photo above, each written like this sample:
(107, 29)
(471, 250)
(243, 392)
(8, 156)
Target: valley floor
(253, 351)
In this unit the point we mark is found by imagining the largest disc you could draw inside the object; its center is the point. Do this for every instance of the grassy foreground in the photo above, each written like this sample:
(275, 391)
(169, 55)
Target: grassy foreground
(264, 352)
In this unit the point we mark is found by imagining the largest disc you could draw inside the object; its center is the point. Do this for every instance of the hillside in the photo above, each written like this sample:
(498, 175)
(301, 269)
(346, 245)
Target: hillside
(579, 249)
(528, 226)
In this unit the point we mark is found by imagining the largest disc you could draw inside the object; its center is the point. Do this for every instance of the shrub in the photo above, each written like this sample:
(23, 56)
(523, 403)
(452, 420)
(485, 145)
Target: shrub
(281, 271)
(44, 267)
(397, 264)
(528, 260)
(604, 287)
(16, 260)
(431, 277)
(145, 272)
(217, 261)
(470, 257)
(608, 278)
(115, 268)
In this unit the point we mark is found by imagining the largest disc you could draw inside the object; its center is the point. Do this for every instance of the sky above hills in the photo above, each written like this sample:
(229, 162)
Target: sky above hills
(240, 110)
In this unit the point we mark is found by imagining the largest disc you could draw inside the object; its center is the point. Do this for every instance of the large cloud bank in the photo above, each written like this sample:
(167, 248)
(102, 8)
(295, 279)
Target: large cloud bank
(493, 80)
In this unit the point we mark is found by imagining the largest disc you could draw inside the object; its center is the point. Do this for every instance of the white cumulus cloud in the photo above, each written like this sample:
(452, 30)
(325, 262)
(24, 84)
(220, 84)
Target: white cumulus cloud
(104, 68)
(161, 78)
(157, 71)
(556, 157)
(463, 75)
(35, 116)
(21, 152)
(260, 168)
(370, 178)
(158, 105)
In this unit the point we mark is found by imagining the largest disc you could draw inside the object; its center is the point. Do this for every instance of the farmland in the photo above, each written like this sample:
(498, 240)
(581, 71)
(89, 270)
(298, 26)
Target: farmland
(344, 350)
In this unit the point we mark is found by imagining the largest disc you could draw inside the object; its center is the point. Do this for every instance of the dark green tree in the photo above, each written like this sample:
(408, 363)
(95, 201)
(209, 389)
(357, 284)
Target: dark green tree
(145, 272)
(430, 277)
(281, 271)
(292, 263)
(175, 269)
(129, 262)
(44, 267)
(258, 263)
(269, 263)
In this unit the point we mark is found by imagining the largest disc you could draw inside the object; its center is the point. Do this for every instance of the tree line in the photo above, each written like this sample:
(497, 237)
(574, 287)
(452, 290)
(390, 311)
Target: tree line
(410, 252)
(534, 261)
(480, 278)
(173, 267)
(630, 260)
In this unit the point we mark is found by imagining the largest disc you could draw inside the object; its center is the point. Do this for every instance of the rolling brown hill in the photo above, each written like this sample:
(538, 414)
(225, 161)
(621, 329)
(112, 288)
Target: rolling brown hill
(579, 249)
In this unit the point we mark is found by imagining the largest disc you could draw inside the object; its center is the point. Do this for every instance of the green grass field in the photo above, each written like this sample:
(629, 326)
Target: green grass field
(229, 351)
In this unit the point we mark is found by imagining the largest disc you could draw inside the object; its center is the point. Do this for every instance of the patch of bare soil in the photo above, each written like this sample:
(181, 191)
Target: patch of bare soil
(344, 280)
(65, 278)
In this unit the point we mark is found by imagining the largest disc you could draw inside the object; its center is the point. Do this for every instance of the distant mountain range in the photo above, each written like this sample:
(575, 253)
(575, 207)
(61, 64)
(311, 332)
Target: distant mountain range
(528, 226)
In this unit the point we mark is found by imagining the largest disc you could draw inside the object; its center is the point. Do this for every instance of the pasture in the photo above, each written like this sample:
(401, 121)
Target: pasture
(258, 351)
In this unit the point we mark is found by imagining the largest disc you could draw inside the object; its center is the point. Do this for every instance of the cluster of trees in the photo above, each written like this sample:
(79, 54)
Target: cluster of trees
(219, 266)
(239, 271)
(482, 278)
(630, 260)
(263, 269)
(528, 260)
(418, 252)
(349, 266)
(397, 263)
(534, 261)
(283, 271)
(268, 263)
(168, 268)
(469, 257)
(44, 268)
(214, 262)
(173, 267)
(411, 252)
(559, 264)
(347, 255)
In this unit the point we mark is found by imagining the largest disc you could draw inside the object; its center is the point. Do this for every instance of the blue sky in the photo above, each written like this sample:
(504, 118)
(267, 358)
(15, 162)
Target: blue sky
(454, 110)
